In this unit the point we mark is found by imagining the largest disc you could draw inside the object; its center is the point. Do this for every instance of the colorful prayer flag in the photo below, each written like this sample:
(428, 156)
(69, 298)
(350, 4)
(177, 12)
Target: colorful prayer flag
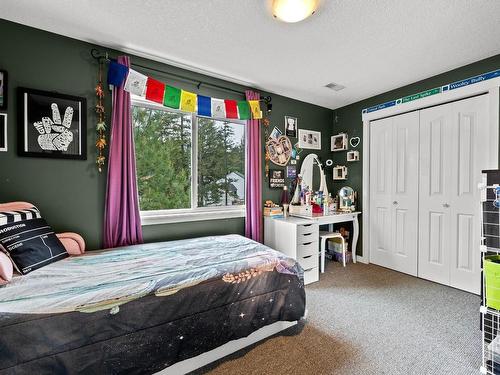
(155, 90)
(204, 106)
(116, 73)
(255, 108)
(188, 101)
(243, 110)
(231, 108)
(218, 108)
(172, 97)
(135, 83)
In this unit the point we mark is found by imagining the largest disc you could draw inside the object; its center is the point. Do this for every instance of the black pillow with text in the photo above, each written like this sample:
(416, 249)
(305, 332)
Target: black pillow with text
(28, 240)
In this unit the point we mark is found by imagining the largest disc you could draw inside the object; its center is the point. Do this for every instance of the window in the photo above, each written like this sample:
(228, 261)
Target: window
(188, 167)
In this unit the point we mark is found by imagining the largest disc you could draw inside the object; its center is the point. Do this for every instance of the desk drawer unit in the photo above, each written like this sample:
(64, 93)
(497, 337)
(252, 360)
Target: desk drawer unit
(308, 251)
(311, 275)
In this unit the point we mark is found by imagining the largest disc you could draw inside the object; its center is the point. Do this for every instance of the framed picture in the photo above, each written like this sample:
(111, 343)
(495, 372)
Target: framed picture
(340, 172)
(291, 126)
(276, 178)
(291, 171)
(352, 155)
(3, 90)
(276, 133)
(309, 139)
(339, 142)
(52, 125)
(3, 132)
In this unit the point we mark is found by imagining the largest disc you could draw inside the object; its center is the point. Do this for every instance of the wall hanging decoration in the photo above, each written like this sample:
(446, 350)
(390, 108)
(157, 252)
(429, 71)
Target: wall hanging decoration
(339, 142)
(291, 126)
(354, 141)
(279, 150)
(340, 172)
(141, 85)
(3, 90)
(276, 133)
(309, 139)
(276, 179)
(329, 162)
(266, 123)
(352, 155)
(291, 171)
(52, 125)
(3, 132)
(101, 125)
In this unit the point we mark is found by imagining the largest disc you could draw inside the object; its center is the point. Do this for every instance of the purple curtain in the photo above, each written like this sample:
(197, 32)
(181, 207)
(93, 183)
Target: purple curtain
(253, 179)
(122, 222)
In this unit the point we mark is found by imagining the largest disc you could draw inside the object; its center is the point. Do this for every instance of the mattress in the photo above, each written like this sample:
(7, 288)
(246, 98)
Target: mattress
(139, 309)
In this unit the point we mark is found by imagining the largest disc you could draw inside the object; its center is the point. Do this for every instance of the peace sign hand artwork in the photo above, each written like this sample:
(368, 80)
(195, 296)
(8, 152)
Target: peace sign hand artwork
(54, 134)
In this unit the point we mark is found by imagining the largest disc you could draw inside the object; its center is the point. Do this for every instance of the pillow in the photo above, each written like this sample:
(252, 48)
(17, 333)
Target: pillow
(28, 240)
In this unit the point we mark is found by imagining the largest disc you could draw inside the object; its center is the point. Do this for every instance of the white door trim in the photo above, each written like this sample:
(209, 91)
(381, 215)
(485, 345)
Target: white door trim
(491, 87)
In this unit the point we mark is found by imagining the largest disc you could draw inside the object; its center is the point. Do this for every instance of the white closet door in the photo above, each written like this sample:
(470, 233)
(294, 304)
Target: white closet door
(394, 192)
(453, 151)
(381, 165)
(435, 189)
(470, 134)
(405, 192)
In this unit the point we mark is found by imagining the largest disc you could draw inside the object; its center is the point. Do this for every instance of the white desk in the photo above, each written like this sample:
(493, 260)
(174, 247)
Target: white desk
(297, 237)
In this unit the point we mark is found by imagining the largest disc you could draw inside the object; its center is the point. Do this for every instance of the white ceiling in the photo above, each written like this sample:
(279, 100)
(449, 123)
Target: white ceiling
(368, 46)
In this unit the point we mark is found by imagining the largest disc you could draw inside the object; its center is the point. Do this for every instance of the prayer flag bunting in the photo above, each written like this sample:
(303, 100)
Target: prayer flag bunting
(135, 83)
(243, 110)
(204, 106)
(116, 73)
(218, 108)
(172, 97)
(188, 101)
(231, 108)
(155, 90)
(255, 108)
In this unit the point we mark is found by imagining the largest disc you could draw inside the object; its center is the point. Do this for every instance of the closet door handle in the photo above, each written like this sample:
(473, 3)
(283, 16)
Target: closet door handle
(446, 205)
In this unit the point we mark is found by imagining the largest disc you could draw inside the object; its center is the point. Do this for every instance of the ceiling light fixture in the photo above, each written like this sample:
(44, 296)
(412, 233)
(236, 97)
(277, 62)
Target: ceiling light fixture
(294, 10)
(335, 86)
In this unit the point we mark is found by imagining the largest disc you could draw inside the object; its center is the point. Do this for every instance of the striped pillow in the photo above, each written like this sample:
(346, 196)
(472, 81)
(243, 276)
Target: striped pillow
(28, 240)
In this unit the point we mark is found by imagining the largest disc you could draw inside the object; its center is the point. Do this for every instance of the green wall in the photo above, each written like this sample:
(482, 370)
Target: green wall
(348, 118)
(70, 193)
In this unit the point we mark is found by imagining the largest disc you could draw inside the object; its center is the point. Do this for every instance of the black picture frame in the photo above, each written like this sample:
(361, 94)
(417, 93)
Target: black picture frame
(3, 132)
(46, 132)
(276, 178)
(4, 89)
(291, 124)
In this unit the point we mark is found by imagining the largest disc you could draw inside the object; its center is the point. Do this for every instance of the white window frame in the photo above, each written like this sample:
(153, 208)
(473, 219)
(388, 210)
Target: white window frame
(195, 213)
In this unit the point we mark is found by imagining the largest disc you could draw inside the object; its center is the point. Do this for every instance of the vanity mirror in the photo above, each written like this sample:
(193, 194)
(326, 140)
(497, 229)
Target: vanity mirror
(346, 199)
(313, 175)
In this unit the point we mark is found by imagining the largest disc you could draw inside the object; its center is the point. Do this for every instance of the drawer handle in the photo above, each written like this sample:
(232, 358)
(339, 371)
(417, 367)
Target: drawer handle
(309, 269)
(308, 256)
(307, 234)
(307, 225)
(307, 243)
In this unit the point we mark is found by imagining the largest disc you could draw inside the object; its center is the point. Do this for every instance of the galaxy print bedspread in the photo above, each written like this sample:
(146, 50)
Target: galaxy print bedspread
(139, 309)
(109, 278)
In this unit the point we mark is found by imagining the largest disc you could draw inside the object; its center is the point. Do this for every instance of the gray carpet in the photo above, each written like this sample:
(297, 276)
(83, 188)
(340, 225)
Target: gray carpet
(366, 319)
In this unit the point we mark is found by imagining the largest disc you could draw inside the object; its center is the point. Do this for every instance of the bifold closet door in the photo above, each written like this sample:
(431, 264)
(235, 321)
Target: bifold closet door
(394, 192)
(453, 151)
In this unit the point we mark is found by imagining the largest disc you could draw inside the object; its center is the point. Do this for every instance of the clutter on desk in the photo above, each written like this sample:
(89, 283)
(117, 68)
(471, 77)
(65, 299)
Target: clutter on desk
(272, 209)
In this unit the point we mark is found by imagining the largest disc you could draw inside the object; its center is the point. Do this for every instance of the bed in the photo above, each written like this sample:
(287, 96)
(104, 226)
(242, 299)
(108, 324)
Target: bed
(145, 308)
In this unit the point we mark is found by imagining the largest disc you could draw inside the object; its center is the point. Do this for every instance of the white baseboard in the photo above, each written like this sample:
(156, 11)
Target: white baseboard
(204, 359)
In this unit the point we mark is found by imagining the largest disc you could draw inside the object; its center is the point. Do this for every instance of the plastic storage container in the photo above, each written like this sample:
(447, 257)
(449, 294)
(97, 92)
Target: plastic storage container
(492, 277)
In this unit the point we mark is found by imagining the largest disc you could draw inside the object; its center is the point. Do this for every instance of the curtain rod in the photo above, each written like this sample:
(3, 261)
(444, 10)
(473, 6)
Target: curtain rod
(105, 56)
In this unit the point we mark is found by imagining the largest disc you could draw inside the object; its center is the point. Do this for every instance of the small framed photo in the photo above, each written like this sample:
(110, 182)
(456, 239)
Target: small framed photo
(339, 142)
(3, 90)
(309, 139)
(3, 132)
(291, 171)
(276, 178)
(276, 133)
(291, 126)
(340, 172)
(352, 155)
(52, 125)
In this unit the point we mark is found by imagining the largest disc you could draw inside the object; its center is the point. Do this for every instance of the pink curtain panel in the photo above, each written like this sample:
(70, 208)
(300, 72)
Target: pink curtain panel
(253, 223)
(122, 222)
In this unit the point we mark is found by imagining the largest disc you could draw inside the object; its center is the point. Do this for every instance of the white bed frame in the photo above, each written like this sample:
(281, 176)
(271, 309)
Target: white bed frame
(230, 347)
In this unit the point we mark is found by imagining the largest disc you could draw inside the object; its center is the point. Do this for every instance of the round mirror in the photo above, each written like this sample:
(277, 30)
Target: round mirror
(346, 198)
(346, 192)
